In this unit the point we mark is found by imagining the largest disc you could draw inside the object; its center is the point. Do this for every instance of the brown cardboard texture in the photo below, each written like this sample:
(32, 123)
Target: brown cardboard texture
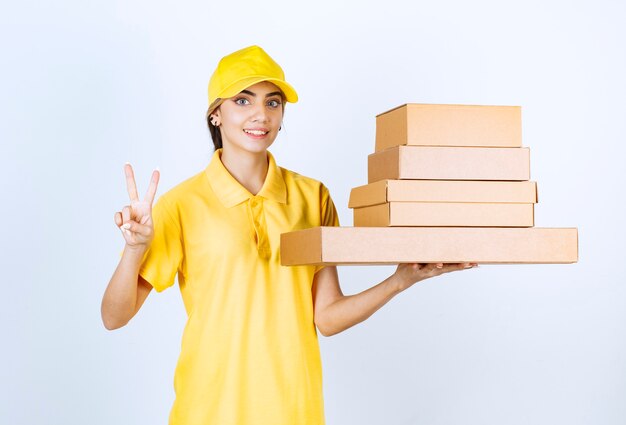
(442, 191)
(448, 163)
(449, 125)
(445, 214)
(393, 245)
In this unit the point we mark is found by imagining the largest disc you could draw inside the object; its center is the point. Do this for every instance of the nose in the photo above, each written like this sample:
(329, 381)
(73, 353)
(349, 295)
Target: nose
(259, 113)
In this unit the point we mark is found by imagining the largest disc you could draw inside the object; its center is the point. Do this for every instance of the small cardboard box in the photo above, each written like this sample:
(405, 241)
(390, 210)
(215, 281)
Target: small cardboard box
(476, 214)
(393, 245)
(442, 191)
(449, 125)
(448, 163)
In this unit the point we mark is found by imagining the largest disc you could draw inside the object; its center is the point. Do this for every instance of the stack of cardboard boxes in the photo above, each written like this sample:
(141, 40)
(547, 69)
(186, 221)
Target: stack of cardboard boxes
(446, 183)
(447, 165)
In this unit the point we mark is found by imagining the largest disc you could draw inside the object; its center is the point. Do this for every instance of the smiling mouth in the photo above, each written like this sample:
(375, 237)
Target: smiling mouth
(256, 132)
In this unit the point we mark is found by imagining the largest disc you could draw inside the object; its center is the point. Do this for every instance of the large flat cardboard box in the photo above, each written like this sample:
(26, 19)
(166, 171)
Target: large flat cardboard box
(449, 125)
(459, 214)
(448, 163)
(442, 191)
(393, 245)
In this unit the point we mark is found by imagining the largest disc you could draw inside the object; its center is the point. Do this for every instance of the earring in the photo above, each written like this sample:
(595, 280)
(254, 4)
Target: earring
(280, 128)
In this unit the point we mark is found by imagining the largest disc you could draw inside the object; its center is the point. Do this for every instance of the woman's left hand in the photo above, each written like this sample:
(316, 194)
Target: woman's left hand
(409, 273)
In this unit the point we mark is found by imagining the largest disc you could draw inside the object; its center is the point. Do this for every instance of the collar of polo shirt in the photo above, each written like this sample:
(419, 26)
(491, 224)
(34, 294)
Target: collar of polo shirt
(230, 192)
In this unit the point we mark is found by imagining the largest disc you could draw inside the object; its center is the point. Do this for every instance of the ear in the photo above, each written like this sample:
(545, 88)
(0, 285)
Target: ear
(215, 117)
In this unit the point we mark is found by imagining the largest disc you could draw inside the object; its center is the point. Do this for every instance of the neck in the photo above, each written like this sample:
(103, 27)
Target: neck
(248, 168)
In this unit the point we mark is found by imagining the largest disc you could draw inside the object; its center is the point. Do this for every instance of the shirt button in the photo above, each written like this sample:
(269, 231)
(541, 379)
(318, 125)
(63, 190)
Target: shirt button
(254, 202)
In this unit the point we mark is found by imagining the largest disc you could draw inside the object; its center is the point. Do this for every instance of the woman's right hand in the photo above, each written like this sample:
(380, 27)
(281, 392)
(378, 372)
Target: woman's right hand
(135, 220)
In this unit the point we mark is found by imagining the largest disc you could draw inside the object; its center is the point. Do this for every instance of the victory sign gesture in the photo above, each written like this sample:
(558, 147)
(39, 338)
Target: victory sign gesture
(135, 220)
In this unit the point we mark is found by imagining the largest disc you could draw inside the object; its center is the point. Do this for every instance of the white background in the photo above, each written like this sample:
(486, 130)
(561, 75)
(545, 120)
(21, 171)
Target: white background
(87, 86)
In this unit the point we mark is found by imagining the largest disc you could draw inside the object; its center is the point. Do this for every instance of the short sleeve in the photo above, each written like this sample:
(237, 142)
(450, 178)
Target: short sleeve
(329, 216)
(164, 256)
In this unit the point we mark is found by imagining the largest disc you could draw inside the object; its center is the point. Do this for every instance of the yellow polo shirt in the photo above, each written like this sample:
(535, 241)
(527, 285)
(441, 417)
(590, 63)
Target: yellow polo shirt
(249, 352)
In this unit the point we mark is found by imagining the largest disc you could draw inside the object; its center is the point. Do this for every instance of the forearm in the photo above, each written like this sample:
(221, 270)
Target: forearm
(120, 297)
(352, 309)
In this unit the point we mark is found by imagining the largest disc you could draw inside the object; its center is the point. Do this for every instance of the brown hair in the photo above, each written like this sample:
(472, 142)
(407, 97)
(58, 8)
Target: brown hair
(216, 133)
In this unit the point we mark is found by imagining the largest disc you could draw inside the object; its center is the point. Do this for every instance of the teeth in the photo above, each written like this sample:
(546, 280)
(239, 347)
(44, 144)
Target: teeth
(256, 132)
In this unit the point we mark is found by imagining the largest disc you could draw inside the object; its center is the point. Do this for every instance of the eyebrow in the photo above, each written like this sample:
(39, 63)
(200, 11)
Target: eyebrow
(267, 95)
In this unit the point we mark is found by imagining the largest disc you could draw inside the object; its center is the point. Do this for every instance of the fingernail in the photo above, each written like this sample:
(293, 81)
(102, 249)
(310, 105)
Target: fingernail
(126, 226)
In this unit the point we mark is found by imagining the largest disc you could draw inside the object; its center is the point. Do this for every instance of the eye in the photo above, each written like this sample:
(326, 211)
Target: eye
(241, 101)
(274, 103)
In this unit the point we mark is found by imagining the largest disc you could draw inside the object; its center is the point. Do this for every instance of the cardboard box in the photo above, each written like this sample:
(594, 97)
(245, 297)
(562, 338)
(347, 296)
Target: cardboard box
(442, 191)
(445, 214)
(393, 245)
(447, 163)
(449, 125)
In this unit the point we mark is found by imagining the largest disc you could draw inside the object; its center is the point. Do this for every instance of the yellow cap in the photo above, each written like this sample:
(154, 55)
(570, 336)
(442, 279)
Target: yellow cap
(244, 68)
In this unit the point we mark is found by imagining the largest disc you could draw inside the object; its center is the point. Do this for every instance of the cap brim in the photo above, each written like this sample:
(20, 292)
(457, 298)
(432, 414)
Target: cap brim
(238, 86)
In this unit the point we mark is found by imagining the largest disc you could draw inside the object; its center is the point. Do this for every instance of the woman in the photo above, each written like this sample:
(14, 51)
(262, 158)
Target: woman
(249, 352)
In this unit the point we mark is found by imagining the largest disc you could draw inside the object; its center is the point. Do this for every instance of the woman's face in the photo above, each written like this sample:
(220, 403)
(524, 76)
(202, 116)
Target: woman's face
(251, 119)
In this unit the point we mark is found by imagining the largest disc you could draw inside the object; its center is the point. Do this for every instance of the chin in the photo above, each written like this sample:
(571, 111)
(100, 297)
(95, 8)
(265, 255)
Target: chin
(255, 145)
